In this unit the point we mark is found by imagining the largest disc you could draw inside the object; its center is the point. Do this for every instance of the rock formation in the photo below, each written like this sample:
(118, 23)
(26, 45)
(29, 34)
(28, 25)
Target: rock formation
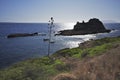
(24, 35)
(91, 27)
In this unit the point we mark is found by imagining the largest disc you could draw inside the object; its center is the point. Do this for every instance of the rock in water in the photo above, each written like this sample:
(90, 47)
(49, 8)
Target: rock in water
(22, 35)
(91, 27)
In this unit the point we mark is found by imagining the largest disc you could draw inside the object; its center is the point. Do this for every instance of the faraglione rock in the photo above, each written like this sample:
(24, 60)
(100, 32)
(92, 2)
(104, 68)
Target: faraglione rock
(91, 27)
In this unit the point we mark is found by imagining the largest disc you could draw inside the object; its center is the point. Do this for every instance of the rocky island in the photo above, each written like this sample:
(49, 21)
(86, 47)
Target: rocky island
(91, 27)
(24, 35)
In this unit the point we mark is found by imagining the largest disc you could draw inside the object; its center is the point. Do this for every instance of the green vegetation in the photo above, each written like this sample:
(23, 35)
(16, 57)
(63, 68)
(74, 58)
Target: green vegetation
(45, 68)
(89, 48)
(35, 69)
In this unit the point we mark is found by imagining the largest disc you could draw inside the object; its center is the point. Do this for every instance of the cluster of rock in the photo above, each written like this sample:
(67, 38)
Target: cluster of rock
(91, 27)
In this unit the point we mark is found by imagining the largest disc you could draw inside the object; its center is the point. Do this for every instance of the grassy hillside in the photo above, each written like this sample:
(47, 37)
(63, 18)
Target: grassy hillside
(92, 60)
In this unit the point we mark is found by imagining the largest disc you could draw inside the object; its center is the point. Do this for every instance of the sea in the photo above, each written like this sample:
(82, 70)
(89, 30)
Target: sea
(13, 50)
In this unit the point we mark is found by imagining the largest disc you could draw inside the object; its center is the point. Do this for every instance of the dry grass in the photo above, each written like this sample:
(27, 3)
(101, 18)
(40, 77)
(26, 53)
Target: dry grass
(102, 67)
(65, 76)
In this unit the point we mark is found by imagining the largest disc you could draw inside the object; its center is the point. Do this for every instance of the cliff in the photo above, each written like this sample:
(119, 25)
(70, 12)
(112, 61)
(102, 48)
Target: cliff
(91, 27)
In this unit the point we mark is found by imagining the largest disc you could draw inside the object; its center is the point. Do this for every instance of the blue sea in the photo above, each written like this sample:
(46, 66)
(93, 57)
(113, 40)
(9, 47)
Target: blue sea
(14, 50)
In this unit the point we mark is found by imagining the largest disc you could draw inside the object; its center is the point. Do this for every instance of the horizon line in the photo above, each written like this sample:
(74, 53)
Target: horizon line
(48, 22)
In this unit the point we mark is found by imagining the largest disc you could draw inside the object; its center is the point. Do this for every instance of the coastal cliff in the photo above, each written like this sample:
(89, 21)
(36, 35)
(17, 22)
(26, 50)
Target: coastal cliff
(92, 60)
(91, 27)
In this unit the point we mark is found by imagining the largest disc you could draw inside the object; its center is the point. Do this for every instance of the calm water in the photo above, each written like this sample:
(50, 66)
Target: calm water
(17, 49)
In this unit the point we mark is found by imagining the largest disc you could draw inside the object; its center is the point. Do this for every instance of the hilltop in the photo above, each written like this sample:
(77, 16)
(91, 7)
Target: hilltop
(92, 60)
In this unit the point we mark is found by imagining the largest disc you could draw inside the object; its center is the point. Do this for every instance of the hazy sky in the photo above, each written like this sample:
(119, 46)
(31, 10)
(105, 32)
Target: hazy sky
(61, 10)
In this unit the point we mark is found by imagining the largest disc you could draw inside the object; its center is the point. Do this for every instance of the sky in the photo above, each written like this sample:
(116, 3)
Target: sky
(61, 10)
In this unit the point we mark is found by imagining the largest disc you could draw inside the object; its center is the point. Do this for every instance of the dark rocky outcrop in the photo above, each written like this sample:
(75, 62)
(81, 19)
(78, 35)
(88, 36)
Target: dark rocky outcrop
(24, 35)
(91, 27)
